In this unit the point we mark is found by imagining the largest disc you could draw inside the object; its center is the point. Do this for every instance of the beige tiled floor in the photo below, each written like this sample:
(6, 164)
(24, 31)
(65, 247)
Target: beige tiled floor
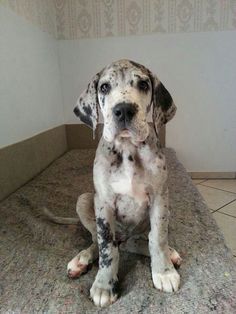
(220, 196)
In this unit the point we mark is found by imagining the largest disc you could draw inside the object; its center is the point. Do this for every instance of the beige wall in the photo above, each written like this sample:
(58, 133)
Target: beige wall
(30, 87)
(40, 13)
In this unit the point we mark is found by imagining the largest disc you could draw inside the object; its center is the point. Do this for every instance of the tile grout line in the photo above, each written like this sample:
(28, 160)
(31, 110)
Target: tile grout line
(215, 188)
(224, 206)
(226, 215)
(199, 182)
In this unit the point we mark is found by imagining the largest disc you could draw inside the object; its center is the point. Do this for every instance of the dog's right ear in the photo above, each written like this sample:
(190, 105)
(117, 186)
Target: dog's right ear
(164, 108)
(87, 104)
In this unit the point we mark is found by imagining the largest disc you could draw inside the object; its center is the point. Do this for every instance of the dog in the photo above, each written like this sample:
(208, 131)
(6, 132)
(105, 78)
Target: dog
(129, 209)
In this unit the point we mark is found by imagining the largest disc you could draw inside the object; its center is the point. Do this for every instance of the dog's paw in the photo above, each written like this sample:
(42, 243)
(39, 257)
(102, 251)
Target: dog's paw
(168, 281)
(104, 295)
(78, 265)
(175, 257)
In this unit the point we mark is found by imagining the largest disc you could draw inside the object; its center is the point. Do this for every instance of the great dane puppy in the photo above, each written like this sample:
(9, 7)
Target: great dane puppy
(129, 209)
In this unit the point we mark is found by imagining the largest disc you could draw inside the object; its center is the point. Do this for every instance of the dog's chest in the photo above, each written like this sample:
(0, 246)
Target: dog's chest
(128, 175)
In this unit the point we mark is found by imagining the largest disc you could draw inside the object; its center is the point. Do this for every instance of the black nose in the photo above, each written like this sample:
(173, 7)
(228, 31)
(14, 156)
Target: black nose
(124, 112)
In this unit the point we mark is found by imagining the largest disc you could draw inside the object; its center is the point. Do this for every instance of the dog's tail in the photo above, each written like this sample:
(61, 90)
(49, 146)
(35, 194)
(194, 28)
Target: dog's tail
(59, 220)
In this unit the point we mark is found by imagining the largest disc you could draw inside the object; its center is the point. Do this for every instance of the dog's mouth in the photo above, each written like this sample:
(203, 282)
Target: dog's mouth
(132, 135)
(125, 133)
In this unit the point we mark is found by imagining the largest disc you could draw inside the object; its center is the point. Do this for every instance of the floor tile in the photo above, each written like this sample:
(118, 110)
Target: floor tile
(229, 209)
(226, 185)
(227, 225)
(215, 198)
(197, 181)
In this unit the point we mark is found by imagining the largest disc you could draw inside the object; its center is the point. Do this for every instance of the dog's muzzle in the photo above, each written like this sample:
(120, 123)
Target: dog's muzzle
(123, 114)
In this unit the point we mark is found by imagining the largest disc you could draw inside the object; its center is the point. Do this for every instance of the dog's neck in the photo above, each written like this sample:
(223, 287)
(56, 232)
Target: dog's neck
(131, 147)
(121, 143)
(128, 143)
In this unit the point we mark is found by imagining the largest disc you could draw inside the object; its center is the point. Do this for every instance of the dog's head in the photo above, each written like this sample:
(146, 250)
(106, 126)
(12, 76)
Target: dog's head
(125, 91)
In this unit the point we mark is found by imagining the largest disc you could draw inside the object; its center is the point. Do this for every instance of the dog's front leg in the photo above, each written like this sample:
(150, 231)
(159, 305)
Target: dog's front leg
(164, 275)
(104, 288)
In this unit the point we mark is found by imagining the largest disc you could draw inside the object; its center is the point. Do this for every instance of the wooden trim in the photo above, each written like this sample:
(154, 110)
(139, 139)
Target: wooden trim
(22, 161)
(213, 175)
(81, 136)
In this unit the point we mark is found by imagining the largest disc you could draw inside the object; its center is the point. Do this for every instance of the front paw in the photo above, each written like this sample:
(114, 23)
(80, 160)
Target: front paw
(104, 294)
(168, 281)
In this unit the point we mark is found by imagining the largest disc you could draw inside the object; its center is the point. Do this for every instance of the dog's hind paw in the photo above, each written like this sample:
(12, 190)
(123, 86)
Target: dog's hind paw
(78, 265)
(75, 271)
(175, 257)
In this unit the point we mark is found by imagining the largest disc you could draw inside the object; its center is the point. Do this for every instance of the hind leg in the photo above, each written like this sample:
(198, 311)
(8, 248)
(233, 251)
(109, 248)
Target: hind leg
(85, 210)
(139, 245)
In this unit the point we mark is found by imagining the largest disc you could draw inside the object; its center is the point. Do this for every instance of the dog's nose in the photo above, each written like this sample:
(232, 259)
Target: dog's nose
(124, 112)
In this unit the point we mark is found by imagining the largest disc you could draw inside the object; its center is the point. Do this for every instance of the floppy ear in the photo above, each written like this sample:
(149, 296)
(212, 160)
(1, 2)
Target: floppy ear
(163, 106)
(87, 104)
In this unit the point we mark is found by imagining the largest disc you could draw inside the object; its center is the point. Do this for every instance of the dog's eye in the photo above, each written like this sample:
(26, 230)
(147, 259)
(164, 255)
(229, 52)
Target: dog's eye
(143, 85)
(105, 88)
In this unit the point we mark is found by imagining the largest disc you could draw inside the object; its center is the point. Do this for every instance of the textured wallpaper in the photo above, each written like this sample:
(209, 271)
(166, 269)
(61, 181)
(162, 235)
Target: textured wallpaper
(72, 19)
(41, 13)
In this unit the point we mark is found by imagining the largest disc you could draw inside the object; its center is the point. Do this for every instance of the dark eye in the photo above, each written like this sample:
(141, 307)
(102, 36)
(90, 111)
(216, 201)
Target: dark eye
(105, 88)
(143, 85)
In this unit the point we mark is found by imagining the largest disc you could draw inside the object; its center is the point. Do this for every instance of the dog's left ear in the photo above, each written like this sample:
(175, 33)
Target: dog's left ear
(163, 106)
(87, 104)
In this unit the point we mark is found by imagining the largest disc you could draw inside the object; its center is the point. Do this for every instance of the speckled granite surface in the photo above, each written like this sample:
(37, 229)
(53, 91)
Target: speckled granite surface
(34, 252)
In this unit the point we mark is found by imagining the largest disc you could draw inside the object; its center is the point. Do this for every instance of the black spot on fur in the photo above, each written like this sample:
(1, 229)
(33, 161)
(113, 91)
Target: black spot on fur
(122, 72)
(88, 88)
(104, 230)
(138, 76)
(164, 168)
(77, 111)
(105, 239)
(130, 158)
(137, 65)
(138, 161)
(88, 110)
(84, 118)
(113, 150)
(163, 97)
(118, 161)
(103, 100)
(114, 286)
(104, 259)
(131, 83)
(115, 243)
